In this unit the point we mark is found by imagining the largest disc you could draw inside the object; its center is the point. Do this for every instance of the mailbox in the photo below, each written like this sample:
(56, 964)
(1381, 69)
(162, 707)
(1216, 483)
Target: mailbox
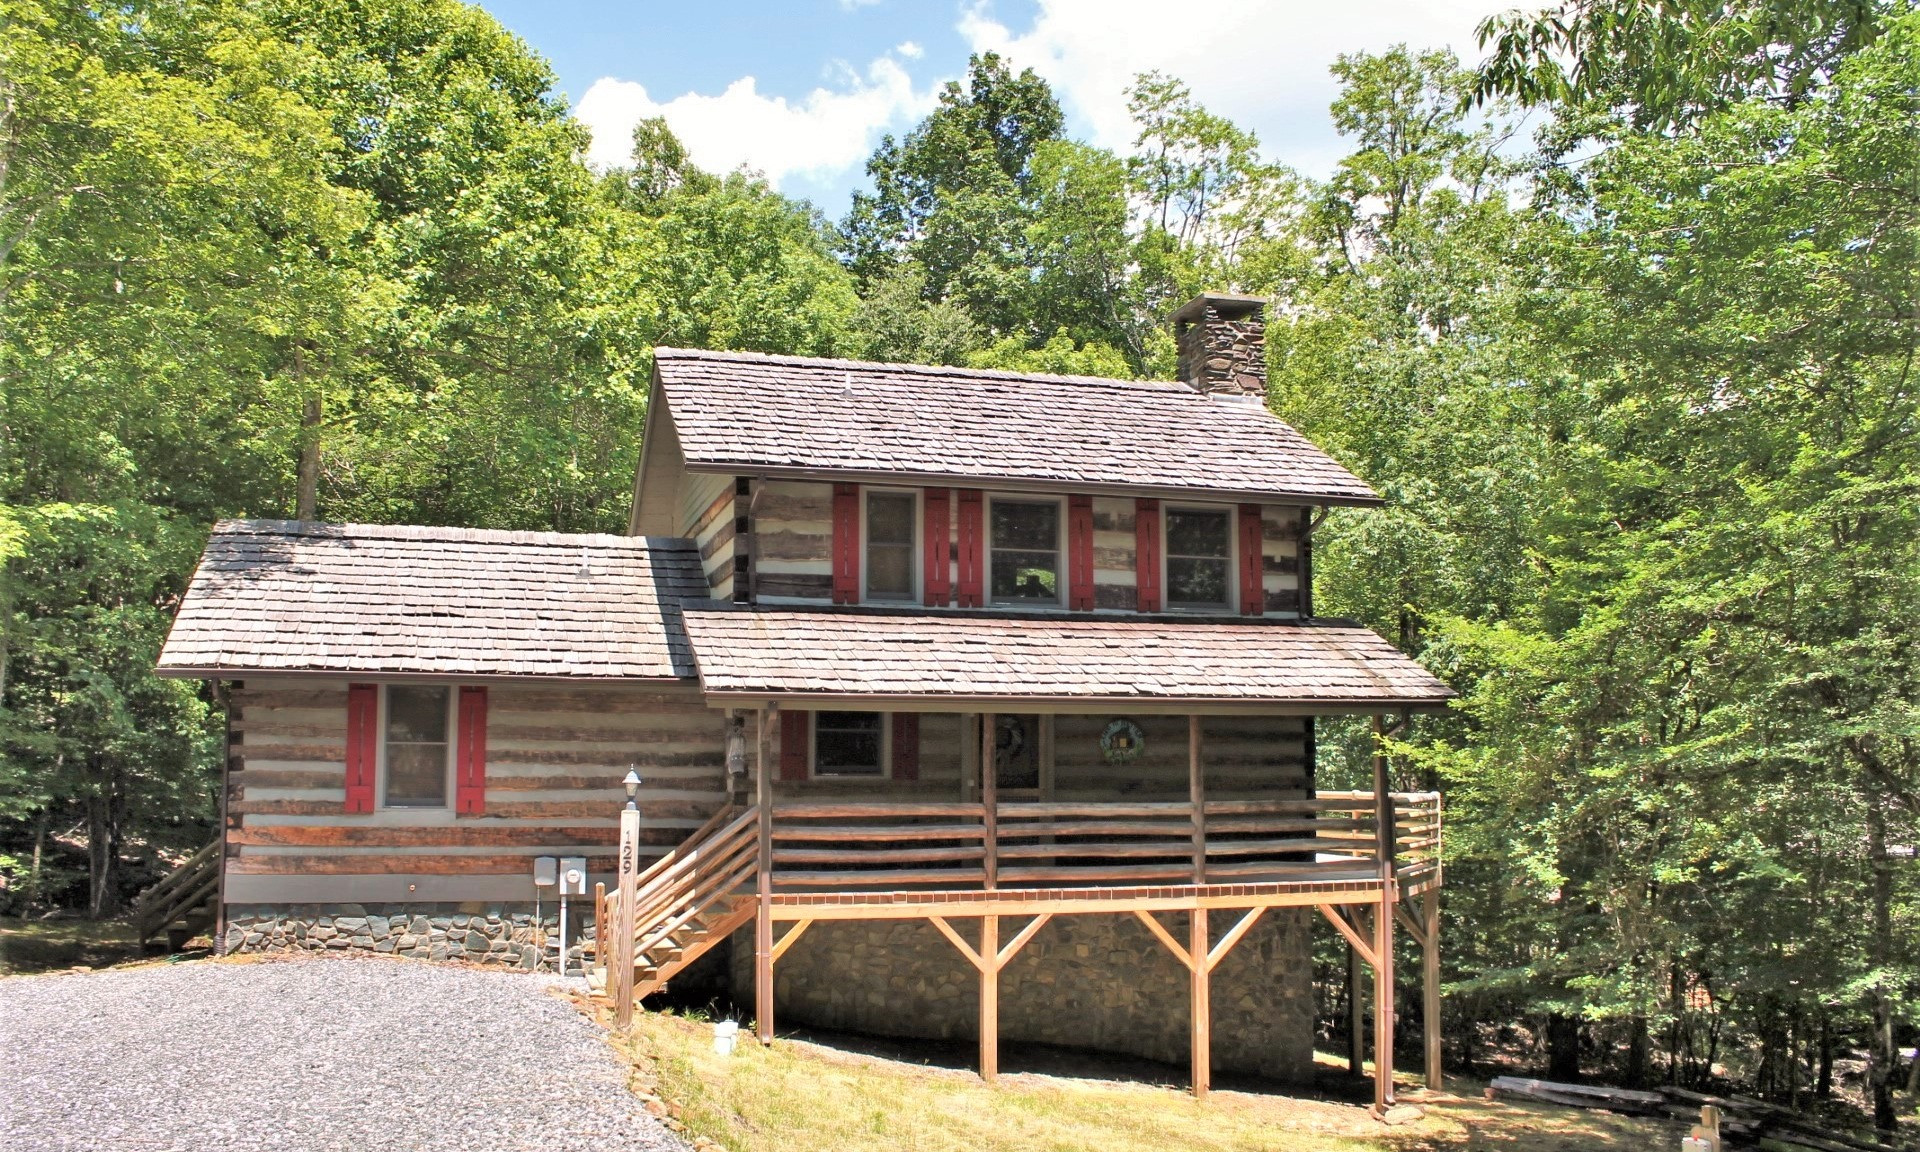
(546, 871)
(573, 876)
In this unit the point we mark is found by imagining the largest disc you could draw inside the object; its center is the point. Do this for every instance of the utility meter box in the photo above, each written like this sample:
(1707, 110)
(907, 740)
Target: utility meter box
(573, 875)
(546, 871)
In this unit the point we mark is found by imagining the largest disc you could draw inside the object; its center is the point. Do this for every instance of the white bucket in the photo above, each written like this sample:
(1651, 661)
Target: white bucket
(725, 1032)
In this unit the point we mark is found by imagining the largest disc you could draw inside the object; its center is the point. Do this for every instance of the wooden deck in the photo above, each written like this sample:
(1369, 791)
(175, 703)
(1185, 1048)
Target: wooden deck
(1368, 861)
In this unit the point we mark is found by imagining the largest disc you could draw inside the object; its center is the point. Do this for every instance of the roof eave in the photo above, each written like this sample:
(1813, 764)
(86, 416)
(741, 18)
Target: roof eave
(1024, 702)
(1027, 484)
(243, 672)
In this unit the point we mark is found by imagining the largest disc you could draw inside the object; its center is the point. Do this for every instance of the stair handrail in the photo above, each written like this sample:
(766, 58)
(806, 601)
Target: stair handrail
(197, 877)
(674, 884)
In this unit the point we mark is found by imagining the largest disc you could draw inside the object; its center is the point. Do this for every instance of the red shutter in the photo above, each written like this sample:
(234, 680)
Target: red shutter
(363, 748)
(794, 738)
(972, 549)
(846, 543)
(470, 773)
(1253, 592)
(906, 745)
(1146, 554)
(1080, 553)
(936, 576)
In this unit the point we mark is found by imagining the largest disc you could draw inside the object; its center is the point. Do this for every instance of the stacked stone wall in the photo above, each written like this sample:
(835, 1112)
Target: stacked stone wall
(1094, 982)
(504, 934)
(1218, 354)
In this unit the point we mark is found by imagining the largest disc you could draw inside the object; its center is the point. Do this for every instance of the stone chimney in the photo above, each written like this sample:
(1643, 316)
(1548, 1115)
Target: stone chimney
(1223, 344)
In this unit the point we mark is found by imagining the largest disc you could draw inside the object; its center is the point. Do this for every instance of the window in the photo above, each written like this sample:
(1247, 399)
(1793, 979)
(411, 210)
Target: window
(1025, 539)
(890, 517)
(1199, 557)
(849, 743)
(416, 747)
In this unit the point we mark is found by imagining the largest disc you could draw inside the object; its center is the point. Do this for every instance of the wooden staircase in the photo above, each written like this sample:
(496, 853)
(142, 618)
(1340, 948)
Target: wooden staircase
(689, 900)
(184, 903)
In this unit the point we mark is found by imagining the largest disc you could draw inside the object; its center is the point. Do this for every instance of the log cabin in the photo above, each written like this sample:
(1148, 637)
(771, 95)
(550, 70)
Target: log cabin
(928, 702)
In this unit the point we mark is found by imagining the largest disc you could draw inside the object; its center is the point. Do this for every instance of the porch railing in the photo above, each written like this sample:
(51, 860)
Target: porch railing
(832, 846)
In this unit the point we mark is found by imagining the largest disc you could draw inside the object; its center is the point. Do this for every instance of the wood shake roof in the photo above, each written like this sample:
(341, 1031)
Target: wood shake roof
(799, 416)
(795, 653)
(287, 596)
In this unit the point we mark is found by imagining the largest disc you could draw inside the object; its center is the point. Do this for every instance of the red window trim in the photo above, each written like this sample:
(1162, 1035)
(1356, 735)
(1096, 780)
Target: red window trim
(470, 768)
(846, 543)
(1080, 553)
(906, 745)
(363, 744)
(1253, 592)
(972, 548)
(936, 579)
(1146, 554)
(796, 732)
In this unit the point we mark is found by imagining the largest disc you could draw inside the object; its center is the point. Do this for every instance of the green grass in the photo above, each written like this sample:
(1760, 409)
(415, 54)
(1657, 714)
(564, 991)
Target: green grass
(44, 945)
(798, 1094)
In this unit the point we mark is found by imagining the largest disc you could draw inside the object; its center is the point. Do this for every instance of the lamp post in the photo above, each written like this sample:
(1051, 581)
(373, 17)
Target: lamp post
(621, 977)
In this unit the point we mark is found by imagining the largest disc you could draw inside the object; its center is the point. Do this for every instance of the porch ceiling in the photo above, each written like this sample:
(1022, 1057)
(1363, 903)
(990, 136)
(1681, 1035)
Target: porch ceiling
(914, 661)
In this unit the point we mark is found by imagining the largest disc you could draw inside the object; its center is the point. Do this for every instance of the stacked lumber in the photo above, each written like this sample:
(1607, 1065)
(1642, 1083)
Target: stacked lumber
(1756, 1123)
(1743, 1120)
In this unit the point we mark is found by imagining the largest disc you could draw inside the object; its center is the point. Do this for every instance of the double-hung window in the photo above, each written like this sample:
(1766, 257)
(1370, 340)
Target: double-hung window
(1025, 542)
(890, 550)
(849, 744)
(416, 746)
(1199, 553)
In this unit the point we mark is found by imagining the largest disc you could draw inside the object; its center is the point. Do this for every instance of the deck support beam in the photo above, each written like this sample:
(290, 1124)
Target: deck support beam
(1356, 1013)
(988, 960)
(1430, 984)
(763, 953)
(1383, 926)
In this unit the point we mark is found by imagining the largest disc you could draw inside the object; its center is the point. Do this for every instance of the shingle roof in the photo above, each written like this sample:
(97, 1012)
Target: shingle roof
(287, 596)
(791, 652)
(800, 416)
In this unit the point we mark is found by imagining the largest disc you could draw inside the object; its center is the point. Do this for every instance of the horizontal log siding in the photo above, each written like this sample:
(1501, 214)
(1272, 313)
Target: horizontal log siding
(1280, 557)
(793, 537)
(1244, 757)
(1113, 554)
(556, 758)
(707, 515)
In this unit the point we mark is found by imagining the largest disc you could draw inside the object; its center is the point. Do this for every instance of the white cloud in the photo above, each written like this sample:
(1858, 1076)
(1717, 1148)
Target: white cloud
(828, 131)
(852, 5)
(1262, 65)
(910, 50)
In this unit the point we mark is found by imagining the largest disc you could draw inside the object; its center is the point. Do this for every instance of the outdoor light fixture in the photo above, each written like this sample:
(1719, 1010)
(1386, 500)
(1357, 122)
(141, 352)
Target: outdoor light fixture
(633, 789)
(736, 745)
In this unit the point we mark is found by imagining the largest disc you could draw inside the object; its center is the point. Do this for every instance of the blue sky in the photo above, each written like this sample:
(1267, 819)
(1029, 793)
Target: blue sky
(801, 90)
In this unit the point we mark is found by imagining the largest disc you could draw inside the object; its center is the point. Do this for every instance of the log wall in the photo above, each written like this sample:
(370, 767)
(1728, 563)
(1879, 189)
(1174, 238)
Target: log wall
(556, 756)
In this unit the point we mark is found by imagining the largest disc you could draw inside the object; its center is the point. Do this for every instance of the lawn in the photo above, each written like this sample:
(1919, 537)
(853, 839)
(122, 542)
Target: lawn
(40, 945)
(803, 1094)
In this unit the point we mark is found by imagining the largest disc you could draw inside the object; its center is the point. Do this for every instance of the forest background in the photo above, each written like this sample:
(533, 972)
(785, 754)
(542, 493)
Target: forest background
(1621, 321)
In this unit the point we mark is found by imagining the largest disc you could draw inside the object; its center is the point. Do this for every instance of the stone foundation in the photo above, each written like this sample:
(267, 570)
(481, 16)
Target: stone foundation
(484, 933)
(1098, 982)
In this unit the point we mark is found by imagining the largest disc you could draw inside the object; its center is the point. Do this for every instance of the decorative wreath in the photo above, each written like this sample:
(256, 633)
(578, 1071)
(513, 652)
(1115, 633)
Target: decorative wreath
(1122, 741)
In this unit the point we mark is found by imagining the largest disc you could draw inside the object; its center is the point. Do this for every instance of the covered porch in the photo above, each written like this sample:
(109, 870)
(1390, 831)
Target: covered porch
(988, 866)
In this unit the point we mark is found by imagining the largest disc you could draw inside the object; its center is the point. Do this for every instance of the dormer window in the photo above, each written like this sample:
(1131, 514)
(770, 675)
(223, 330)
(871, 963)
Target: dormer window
(1025, 541)
(890, 545)
(1199, 558)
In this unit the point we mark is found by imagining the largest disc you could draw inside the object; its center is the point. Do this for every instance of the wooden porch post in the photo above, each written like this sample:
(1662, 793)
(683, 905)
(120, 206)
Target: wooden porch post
(1200, 999)
(989, 803)
(989, 925)
(1356, 1012)
(1383, 926)
(763, 880)
(1430, 982)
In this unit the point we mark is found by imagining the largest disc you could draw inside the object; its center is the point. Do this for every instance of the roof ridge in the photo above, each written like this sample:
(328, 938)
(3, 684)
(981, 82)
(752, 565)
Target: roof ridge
(1173, 386)
(446, 533)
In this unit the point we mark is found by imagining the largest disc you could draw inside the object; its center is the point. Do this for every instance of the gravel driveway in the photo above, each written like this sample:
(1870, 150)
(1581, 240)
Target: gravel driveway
(320, 1053)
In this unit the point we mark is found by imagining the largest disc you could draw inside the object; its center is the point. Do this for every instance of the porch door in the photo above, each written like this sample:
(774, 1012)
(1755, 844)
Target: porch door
(1023, 757)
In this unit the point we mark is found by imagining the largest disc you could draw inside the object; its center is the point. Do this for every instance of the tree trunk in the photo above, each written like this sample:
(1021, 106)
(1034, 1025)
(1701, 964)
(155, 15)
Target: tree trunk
(1823, 1078)
(103, 849)
(306, 504)
(1637, 1046)
(1881, 1054)
(1563, 1047)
